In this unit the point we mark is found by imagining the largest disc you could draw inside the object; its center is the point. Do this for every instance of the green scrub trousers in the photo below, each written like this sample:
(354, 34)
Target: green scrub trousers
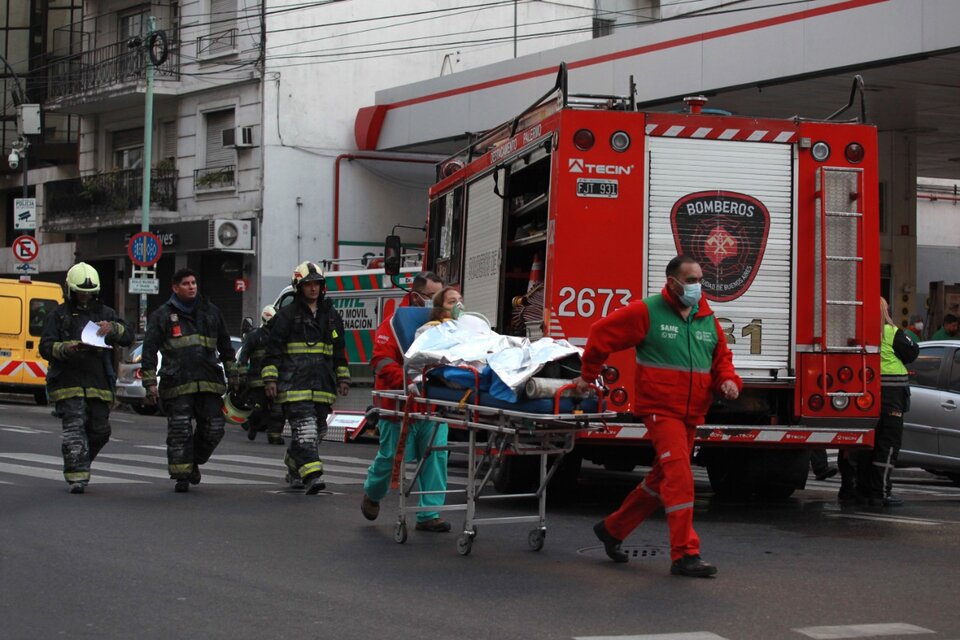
(433, 476)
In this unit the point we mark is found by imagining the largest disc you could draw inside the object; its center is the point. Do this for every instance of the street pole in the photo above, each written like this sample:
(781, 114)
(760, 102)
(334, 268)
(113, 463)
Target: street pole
(147, 157)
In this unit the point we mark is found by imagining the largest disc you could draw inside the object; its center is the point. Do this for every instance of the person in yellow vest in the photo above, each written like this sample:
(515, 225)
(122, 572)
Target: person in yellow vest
(897, 350)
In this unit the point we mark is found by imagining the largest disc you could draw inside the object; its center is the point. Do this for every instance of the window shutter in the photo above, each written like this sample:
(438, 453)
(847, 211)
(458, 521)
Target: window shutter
(127, 138)
(169, 140)
(223, 15)
(217, 154)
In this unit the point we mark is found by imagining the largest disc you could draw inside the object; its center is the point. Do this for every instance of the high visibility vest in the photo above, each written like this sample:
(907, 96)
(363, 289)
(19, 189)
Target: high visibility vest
(892, 370)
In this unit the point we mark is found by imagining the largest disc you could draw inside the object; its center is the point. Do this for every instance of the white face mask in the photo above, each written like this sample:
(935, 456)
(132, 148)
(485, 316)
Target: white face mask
(691, 293)
(918, 325)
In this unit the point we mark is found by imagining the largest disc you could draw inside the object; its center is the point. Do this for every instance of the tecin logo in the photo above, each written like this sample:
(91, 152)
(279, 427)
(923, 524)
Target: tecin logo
(577, 165)
(726, 233)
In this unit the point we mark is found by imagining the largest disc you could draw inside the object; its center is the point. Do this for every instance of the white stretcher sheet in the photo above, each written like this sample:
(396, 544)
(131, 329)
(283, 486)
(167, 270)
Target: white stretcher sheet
(467, 342)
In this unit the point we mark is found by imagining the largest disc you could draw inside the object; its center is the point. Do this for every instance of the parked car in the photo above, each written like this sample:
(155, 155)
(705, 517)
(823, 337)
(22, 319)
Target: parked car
(129, 380)
(931, 428)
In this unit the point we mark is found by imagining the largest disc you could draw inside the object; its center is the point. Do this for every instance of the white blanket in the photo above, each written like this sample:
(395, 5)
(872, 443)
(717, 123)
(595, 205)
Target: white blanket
(469, 342)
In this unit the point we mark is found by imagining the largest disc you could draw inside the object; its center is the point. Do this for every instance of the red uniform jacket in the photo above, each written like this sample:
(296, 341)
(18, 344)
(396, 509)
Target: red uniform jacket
(387, 360)
(689, 394)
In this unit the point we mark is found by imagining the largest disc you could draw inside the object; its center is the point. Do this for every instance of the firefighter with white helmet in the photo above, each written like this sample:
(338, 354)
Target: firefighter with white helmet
(266, 415)
(305, 366)
(81, 378)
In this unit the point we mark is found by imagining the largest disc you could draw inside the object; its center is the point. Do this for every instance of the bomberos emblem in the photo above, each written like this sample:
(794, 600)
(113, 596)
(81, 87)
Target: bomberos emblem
(726, 232)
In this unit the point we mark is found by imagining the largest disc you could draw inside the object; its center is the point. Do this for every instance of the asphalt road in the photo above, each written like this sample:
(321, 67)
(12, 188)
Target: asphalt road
(240, 556)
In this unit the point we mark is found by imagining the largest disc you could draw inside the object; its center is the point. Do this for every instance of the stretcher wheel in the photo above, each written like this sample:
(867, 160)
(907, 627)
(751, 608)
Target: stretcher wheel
(535, 539)
(464, 543)
(400, 533)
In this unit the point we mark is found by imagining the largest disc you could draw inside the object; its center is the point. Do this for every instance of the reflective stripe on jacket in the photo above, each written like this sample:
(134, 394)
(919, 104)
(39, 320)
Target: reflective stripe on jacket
(306, 353)
(87, 373)
(193, 344)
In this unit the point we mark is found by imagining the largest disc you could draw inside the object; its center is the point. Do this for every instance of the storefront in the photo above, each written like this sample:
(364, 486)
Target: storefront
(222, 275)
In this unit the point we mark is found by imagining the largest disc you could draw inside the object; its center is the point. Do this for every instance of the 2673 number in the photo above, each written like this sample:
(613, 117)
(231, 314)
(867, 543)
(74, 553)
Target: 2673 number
(588, 302)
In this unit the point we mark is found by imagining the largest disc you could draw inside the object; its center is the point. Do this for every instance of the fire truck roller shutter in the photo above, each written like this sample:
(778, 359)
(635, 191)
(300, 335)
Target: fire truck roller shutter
(483, 255)
(729, 204)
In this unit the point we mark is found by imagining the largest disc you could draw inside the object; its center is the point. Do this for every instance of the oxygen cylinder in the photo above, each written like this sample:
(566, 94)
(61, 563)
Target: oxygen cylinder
(548, 387)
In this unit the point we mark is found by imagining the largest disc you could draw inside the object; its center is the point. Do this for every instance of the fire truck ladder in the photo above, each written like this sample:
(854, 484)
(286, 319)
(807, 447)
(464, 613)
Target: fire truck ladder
(839, 286)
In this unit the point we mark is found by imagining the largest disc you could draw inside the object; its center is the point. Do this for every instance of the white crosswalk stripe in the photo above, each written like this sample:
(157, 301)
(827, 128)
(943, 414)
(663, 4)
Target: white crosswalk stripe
(55, 474)
(225, 469)
(838, 632)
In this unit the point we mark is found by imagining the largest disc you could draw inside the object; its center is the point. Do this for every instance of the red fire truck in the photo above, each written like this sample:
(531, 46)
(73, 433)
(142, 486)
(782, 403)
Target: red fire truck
(782, 215)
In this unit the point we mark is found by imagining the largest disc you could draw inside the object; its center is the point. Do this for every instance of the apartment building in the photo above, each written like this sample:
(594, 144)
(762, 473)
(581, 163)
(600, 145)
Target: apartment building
(205, 162)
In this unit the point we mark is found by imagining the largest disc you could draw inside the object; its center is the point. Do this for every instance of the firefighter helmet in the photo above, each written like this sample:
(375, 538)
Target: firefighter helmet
(82, 278)
(267, 314)
(235, 410)
(307, 272)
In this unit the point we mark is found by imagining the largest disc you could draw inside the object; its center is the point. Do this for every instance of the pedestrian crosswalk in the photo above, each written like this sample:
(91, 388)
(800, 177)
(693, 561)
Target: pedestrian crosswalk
(151, 466)
(832, 632)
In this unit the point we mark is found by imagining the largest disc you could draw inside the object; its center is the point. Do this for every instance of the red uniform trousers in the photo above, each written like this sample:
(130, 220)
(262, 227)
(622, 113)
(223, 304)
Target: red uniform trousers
(670, 483)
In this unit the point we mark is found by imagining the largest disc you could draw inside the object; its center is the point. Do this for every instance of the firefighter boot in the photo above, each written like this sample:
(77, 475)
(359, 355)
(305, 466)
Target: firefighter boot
(692, 566)
(275, 438)
(77, 487)
(315, 484)
(195, 475)
(182, 486)
(610, 544)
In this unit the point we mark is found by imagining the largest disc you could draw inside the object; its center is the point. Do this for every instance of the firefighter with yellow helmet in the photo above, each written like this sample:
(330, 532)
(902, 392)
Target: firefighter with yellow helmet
(81, 377)
(265, 414)
(304, 368)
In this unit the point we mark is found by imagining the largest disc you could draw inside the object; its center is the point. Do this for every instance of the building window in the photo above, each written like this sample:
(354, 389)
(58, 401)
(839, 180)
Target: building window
(222, 38)
(219, 171)
(127, 148)
(133, 24)
(602, 27)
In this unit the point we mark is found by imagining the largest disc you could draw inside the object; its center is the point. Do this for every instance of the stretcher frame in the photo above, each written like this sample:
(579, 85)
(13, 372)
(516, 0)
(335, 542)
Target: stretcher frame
(493, 433)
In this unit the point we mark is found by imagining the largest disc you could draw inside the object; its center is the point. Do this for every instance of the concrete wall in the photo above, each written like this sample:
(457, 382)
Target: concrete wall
(938, 235)
(317, 79)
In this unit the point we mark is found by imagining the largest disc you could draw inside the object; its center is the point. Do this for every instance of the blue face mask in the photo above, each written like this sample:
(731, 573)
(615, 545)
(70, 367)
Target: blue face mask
(691, 293)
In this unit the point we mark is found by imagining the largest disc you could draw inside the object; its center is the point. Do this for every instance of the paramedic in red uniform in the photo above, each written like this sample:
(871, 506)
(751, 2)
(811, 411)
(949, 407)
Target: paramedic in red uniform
(682, 359)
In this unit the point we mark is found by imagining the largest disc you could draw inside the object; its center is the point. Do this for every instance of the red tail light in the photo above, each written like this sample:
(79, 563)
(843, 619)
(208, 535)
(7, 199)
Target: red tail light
(610, 375)
(815, 402)
(138, 373)
(583, 139)
(854, 152)
(865, 401)
(867, 375)
(845, 374)
(619, 396)
(829, 380)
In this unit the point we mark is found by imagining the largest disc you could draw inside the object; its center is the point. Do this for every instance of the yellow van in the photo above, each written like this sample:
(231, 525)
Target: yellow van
(24, 307)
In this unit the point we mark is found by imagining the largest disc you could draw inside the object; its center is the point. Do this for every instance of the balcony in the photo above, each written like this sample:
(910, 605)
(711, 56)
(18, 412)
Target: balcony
(217, 44)
(106, 199)
(107, 77)
(215, 179)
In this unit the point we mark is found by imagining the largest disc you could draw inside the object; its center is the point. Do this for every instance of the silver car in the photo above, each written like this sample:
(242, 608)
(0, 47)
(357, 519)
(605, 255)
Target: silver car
(931, 428)
(130, 383)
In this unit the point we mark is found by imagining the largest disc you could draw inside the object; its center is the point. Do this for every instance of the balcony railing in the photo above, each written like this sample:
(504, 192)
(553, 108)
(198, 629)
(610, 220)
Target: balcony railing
(85, 200)
(217, 43)
(110, 65)
(215, 179)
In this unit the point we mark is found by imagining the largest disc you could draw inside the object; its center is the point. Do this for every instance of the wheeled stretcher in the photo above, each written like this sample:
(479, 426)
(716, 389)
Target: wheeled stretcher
(495, 429)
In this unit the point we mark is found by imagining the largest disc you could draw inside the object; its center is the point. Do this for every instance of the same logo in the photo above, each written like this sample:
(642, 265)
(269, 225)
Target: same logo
(726, 232)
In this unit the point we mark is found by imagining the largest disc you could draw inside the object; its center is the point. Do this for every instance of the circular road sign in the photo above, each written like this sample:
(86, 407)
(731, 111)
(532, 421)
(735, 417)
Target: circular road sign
(26, 248)
(144, 249)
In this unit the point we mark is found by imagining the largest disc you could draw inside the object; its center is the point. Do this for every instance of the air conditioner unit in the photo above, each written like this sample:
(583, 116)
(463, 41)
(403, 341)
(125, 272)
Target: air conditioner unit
(239, 137)
(231, 235)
